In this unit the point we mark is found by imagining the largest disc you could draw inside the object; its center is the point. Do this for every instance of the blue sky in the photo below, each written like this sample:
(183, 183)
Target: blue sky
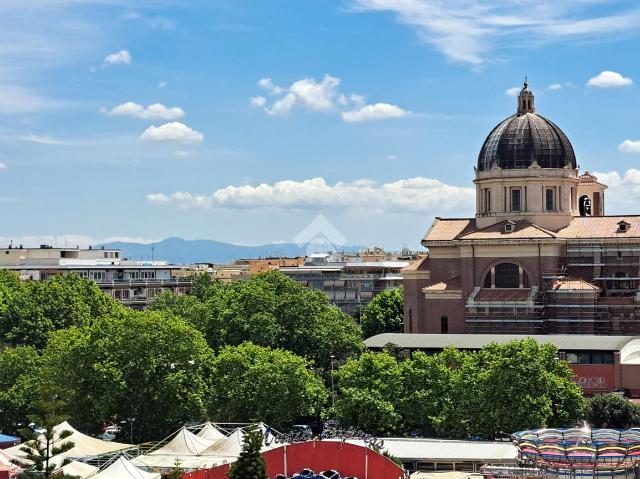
(270, 112)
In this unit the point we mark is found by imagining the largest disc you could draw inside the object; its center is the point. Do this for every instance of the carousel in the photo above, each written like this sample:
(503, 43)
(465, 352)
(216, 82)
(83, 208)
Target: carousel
(580, 452)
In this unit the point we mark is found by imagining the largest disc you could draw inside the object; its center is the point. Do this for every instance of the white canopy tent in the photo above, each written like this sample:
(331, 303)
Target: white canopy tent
(83, 445)
(123, 468)
(210, 432)
(77, 469)
(183, 443)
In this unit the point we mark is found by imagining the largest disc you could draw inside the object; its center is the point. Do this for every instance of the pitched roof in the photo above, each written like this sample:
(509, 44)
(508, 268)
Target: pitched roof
(570, 284)
(521, 229)
(451, 284)
(490, 295)
(601, 227)
(444, 229)
(421, 264)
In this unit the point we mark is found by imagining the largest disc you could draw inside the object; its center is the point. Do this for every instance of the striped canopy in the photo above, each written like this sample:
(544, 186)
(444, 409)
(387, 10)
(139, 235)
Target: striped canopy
(579, 448)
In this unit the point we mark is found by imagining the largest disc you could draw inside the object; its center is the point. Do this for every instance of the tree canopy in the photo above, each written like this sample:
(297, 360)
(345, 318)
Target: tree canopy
(613, 411)
(30, 310)
(19, 369)
(271, 310)
(152, 367)
(383, 314)
(499, 389)
(251, 382)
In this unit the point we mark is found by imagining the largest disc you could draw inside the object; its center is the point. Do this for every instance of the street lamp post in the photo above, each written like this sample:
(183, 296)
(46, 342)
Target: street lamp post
(333, 391)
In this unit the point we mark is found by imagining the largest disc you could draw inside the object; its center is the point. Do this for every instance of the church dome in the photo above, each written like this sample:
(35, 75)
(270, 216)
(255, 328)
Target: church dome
(526, 138)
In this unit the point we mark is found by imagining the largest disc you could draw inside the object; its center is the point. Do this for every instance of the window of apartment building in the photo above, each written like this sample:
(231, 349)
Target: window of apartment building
(147, 274)
(516, 199)
(444, 324)
(97, 275)
(549, 196)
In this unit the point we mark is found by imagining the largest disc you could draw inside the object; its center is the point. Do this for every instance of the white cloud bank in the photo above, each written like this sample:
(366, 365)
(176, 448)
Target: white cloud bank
(379, 111)
(623, 194)
(630, 146)
(173, 131)
(15, 99)
(414, 195)
(3, 166)
(608, 79)
(513, 91)
(470, 31)
(156, 111)
(321, 96)
(123, 57)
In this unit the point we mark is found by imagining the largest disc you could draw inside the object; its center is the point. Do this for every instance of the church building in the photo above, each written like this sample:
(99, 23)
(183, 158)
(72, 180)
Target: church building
(539, 257)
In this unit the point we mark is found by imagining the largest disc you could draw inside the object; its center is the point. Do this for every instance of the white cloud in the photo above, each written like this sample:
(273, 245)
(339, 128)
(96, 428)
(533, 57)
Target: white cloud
(174, 131)
(3, 166)
(156, 111)
(258, 101)
(123, 57)
(162, 84)
(413, 194)
(305, 93)
(513, 91)
(322, 96)
(608, 79)
(469, 31)
(554, 86)
(630, 146)
(623, 194)
(379, 111)
(42, 139)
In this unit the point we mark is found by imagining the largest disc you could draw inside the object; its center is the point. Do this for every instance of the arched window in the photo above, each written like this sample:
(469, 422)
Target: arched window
(584, 205)
(506, 275)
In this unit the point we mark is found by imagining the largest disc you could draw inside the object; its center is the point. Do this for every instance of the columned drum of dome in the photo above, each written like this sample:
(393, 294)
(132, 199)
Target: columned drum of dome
(580, 452)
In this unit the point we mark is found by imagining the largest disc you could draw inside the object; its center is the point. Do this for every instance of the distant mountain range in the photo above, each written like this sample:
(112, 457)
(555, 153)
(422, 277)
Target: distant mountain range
(181, 251)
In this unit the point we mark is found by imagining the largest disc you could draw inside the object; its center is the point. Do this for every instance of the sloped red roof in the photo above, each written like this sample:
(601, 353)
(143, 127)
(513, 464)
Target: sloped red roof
(421, 264)
(601, 227)
(491, 295)
(452, 284)
(521, 229)
(569, 284)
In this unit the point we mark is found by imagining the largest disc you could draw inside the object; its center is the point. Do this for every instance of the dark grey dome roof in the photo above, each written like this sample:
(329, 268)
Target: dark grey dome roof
(526, 137)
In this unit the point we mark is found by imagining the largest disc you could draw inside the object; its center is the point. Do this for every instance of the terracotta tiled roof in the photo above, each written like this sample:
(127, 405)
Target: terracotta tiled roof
(444, 229)
(521, 229)
(421, 264)
(452, 284)
(600, 227)
(569, 284)
(489, 295)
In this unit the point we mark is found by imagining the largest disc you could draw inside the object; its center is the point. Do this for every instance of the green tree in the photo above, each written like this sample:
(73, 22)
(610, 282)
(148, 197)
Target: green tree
(30, 310)
(271, 310)
(516, 389)
(250, 464)
(369, 389)
(41, 448)
(255, 382)
(383, 314)
(612, 411)
(145, 365)
(19, 369)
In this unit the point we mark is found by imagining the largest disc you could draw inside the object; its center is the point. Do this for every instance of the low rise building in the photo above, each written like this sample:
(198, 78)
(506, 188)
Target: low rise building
(349, 281)
(133, 283)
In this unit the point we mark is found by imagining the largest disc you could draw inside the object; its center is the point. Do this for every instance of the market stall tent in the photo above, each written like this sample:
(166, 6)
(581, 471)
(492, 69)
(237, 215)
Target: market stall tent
(122, 468)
